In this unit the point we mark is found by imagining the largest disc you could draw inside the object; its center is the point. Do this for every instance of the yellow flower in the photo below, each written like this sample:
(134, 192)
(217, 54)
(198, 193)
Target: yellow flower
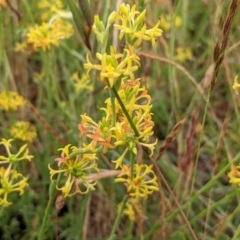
(20, 47)
(48, 7)
(75, 168)
(99, 134)
(142, 183)
(236, 85)
(132, 209)
(42, 37)
(234, 175)
(23, 131)
(61, 29)
(22, 154)
(137, 102)
(11, 100)
(141, 35)
(178, 22)
(119, 162)
(10, 181)
(111, 69)
(133, 27)
(154, 32)
(82, 83)
(183, 54)
(166, 22)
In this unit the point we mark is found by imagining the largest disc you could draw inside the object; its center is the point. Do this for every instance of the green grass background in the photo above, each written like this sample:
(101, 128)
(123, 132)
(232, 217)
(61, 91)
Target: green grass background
(174, 88)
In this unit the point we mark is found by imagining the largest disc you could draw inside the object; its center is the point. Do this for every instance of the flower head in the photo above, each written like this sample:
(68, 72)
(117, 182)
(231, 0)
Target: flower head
(132, 209)
(142, 183)
(137, 102)
(48, 7)
(133, 27)
(23, 131)
(99, 134)
(43, 36)
(234, 175)
(112, 66)
(82, 83)
(11, 100)
(236, 85)
(22, 154)
(183, 54)
(10, 181)
(74, 168)
(166, 22)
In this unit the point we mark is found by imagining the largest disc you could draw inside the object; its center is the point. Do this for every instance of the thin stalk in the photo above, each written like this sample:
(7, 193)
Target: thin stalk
(52, 194)
(185, 21)
(199, 146)
(132, 164)
(117, 221)
(113, 107)
(125, 112)
(129, 230)
(80, 151)
(47, 71)
(237, 231)
(28, 12)
(173, 87)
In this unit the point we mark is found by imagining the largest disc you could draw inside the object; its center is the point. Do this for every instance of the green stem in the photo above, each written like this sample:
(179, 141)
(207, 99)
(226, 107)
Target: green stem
(28, 12)
(52, 194)
(125, 112)
(85, 151)
(199, 146)
(129, 230)
(117, 221)
(132, 164)
(113, 107)
(237, 231)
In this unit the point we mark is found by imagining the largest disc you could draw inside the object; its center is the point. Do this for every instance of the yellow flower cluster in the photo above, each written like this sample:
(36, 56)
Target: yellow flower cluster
(10, 100)
(137, 102)
(82, 83)
(234, 175)
(142, 183)
(133, 209)
(10, 179)
(75, 168)
(133, 26)
(110, 69)
(166, 22)
(117, 72)
(50, 32)
(127, 118)
(45, 35)
(23, 131)
(49, 7)
(183, 54)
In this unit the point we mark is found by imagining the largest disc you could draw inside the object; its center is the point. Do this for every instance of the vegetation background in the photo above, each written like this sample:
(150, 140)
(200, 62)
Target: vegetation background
(177, 72)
